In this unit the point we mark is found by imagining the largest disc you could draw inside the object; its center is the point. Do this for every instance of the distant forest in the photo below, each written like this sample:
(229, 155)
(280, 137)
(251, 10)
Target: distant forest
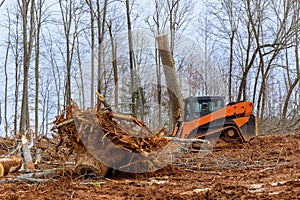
(57, 52)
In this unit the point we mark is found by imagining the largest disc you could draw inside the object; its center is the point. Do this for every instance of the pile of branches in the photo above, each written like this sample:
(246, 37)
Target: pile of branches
(113, 140)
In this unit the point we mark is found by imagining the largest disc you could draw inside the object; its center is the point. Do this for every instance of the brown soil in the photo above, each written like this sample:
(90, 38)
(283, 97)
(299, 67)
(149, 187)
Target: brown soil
(266, 168)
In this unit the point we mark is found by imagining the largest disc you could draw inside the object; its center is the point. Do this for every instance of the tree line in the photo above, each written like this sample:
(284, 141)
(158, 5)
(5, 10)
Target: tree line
(56, 52)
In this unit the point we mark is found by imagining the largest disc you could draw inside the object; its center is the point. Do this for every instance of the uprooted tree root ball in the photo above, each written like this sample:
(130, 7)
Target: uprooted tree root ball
(102, 139)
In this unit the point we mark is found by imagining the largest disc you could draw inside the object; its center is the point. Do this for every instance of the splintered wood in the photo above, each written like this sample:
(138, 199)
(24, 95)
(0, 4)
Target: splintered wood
(102, 139)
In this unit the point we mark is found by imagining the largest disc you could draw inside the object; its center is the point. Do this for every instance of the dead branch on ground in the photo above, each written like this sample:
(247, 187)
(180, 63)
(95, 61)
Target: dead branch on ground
(37, 177)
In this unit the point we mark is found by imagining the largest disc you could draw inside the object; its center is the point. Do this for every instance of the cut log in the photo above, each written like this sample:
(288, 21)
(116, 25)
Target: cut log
(10, 165)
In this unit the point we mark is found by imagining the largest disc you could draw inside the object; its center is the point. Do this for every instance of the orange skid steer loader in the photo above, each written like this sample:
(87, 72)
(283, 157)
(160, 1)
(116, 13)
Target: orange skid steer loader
(208, 116)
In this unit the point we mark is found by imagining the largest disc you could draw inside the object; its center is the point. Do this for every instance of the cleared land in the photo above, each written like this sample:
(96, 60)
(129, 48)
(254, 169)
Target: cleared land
(266, 168)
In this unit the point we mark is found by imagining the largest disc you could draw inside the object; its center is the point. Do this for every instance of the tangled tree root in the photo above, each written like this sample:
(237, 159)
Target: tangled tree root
(103, 139)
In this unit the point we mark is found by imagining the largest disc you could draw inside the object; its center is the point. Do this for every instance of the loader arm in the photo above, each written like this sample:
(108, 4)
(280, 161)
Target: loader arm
(238, 113)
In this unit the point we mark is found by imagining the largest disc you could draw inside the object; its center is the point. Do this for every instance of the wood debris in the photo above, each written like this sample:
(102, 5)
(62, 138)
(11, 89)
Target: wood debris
(10, 164)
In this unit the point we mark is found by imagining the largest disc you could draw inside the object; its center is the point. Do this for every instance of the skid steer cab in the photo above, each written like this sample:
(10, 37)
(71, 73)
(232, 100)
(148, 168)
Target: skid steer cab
(207, 115)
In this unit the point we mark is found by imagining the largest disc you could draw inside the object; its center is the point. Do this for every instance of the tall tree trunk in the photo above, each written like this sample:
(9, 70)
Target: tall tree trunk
(114, 64)
(159, 89)
(37, 60)
(256, 83)
(27, 50)
(230, 66)
(101, 29)
(68, 80)
(67, 13)
(92, 18)
(6, 78)
(56, 77)
(17, 78)
(81, 89)
(293, 84)
(158, 66)
(131, 59)
(174, 91)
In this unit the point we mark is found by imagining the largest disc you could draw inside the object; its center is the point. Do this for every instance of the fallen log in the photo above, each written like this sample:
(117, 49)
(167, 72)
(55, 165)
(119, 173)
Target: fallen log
(10, 164)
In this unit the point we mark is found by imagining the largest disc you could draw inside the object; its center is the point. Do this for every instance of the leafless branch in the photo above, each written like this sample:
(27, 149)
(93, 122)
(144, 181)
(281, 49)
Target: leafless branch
(2, 3)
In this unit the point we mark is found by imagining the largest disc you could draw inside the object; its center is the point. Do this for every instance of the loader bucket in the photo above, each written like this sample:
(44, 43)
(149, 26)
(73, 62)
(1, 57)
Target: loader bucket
(249, 130)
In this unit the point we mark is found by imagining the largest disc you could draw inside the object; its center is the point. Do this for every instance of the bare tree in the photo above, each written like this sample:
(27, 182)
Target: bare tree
(92, 29)
(26, 9)
(17, 73)
(6, 75)
(157, 29)
(233, 23)
(292, 84)
(233, 26)
(131, 58)
(100, 18)
(267, 57)
(55, 70)
(158, 64)
(179, 14)
(114, 64)
(67, 11)
(169, 16)
(38, 20)
(265, 50)
(81, 85)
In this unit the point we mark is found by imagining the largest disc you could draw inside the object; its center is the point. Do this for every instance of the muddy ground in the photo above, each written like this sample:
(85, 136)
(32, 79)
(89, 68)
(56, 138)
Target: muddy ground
(266, 168)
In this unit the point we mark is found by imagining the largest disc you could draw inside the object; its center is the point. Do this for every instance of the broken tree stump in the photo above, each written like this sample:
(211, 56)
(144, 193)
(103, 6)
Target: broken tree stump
(28, 163)
(10, 164)
(102, 139)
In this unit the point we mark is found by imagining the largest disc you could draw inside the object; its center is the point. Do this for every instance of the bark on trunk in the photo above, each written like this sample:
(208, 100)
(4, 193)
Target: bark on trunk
(28, 164)
(174, 92)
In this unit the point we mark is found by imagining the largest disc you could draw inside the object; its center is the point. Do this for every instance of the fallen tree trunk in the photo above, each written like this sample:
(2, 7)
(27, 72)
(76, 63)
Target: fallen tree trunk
(10, 164)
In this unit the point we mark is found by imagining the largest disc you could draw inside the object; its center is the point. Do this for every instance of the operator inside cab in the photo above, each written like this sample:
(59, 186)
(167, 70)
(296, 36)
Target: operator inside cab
(205, 109)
